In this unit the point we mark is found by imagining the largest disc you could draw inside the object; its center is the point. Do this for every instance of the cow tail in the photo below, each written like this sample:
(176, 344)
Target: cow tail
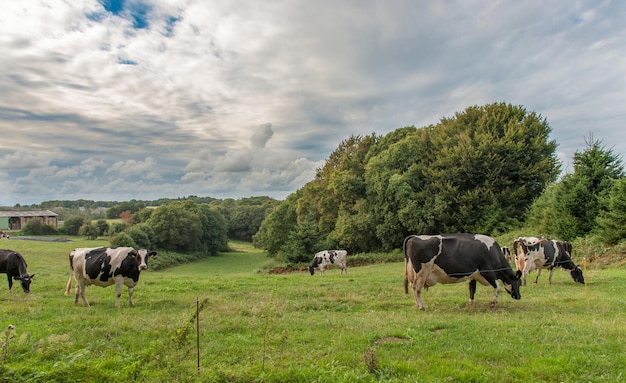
(68, 288)
(406, 276)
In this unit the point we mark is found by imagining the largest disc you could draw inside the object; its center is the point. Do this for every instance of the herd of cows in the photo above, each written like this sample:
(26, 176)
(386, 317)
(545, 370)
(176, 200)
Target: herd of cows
(454, 258)
(429, 259)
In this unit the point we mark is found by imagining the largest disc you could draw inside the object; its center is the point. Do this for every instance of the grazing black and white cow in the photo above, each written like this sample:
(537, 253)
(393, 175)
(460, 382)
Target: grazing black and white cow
(13, 264)
(325, 258)
(506, 252)
(543, 253)
(454, 258)
(105, 266)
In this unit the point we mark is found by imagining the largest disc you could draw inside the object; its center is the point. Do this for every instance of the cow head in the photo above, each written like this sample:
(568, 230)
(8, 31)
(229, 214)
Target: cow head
(513, 288)
(25, 281)
(141, 258)
(314, 264)
(577, 275)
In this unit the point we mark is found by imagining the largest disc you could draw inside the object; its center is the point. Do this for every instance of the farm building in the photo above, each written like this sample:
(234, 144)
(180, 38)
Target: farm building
(17, 219)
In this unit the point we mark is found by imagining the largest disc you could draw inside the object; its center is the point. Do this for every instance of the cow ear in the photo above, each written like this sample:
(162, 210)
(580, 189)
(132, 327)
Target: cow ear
(32, 276)
(518, 274)
(152, 254)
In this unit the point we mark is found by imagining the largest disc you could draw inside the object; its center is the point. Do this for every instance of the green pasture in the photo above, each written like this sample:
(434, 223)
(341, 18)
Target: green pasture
(259, 327)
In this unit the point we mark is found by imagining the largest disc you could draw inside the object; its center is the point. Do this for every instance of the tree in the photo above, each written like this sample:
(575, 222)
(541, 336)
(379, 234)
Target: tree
(611, 222)
(178, 226)
(72, 225)
(186, 226)
(577, 196)
(278, 225)
(88, 230)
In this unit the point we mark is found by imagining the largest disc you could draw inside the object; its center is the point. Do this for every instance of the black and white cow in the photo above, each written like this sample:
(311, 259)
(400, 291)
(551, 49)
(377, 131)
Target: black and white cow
(543, 253)
(325, 258)
(105, 266)
(506, 251)
(454, 258)
(13, 264)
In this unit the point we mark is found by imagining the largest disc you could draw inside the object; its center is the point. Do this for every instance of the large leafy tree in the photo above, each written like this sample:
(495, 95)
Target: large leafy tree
(187, 226)
(477, 172)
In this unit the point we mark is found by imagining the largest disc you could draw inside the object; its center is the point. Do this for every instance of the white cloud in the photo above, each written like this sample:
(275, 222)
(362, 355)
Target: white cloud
(133, 168)
(182, 107)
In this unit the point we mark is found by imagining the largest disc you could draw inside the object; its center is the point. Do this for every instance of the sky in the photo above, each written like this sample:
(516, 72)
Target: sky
(113, 100)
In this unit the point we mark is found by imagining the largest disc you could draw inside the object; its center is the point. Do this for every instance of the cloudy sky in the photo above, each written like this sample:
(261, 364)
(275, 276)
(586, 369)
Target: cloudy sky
(143, 99)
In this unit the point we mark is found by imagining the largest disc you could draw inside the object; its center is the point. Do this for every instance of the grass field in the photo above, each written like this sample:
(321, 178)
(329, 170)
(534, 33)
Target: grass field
(257, 327)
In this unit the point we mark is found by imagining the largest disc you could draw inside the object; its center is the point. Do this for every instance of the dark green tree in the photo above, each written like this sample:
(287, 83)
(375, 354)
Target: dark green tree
(577, 196)
(278, 225)
(72, 225)
(88, 230)
(611, 222)
(178, 225)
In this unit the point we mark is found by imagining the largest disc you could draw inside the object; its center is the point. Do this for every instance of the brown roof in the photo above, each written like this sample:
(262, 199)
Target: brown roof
(29, 213)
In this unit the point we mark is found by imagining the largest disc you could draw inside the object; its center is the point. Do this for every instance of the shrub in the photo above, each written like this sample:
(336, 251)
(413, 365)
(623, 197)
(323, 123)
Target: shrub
(71, 226)
(35, 227)
(122, 239)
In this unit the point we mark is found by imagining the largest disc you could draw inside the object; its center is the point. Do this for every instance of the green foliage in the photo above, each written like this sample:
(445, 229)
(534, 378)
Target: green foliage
(88, 230)
(178, 226)
(142, 234)
(117, 227)
(611, 222)
(133, 206)
(276, 228)
(577, 196)
(123, 239)
(142, 215)
(71, 226)
(244, 216)
(187, 227)
(35, 227)
(475, 172)
(102, 226)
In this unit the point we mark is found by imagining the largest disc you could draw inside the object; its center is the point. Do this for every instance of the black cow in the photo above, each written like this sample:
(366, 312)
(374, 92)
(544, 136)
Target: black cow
(13, 264)
(104, 266)
(454, 258)
(543, 253)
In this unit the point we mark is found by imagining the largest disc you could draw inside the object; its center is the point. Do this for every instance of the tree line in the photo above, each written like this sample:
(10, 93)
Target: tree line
(488, 169)
(484, 170)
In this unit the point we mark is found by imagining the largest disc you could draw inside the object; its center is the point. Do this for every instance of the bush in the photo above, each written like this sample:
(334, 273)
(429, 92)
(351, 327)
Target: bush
(88, 230)
(35, 227)
(142, 235)
(122, 239)
(116, 228)
(71, 226)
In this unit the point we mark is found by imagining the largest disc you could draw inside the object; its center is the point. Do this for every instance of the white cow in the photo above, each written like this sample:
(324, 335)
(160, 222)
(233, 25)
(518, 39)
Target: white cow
(325, 258)
(105, 266)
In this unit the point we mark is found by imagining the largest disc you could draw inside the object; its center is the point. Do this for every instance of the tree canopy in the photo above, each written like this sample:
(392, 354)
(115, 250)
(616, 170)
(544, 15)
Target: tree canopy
(474, 172)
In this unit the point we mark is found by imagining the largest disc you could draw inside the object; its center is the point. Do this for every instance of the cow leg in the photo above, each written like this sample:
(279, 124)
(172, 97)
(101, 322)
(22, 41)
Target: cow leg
(538, 274)
(417, 280)
(10, 281)
(130, 297)
(118, 292)
(472, 290)
(550, 276)
(496, 292)
(80, 291)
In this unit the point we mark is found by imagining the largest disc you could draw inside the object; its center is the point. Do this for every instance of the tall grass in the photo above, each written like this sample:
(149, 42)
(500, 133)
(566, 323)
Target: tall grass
(257, 327)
